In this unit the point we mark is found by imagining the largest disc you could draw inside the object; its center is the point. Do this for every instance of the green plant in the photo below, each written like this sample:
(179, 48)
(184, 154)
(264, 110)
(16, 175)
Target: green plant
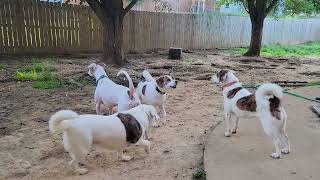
(40, 73)
(31, 75)
(200, 174)
(39, 67)
(1, 66)
(51, 84)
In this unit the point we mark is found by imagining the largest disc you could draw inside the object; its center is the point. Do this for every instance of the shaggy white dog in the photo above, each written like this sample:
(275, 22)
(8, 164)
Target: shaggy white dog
(266, 104)
(111, 94)
(114, 132)
(153, 92)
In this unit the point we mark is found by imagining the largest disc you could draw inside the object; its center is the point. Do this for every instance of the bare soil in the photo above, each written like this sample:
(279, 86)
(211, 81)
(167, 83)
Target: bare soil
(28, 151)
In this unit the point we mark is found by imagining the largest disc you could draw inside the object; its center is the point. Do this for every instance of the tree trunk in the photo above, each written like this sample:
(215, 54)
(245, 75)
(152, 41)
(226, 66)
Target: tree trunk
(113, 40)
(256, 38)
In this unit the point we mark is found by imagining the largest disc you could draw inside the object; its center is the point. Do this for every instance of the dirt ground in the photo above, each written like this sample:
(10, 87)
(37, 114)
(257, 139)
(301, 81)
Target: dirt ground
(28, 151)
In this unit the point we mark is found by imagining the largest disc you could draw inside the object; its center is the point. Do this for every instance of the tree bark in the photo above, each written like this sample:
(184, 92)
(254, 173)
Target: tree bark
(256, 38)
(113, 40)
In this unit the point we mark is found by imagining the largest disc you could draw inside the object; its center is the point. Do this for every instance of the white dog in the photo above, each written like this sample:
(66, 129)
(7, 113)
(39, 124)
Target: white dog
(266, 103)
(153, 92)
(114, 132)
(111, 94)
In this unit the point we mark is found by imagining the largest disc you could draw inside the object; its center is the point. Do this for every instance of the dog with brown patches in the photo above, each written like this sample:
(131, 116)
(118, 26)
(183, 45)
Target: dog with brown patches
(114, 132)
(153, 92)
(265, 103)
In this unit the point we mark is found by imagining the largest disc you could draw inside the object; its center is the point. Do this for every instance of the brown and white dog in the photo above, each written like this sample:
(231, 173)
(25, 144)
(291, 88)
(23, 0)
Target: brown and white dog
(266, 103)
(153, 92)
(114, 132)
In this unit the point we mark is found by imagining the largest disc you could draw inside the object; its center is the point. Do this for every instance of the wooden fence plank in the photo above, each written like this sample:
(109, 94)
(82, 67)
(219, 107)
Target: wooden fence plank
(6, 28)
(2, 46)
(42, 26)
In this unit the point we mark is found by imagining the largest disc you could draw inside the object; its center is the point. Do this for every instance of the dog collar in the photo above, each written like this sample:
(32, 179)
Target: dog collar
(229, 84)
(101, 77)
(159, 91)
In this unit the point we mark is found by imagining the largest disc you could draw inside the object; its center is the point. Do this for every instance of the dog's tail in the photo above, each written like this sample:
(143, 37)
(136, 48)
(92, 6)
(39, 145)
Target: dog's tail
(147, 76)
(268, 91)
(56, 121)
(131, 86)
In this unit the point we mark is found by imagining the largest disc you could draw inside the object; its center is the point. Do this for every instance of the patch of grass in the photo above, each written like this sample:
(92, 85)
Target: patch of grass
(40, 73)
(51, 84)
(1, 66)
(39, 67)
(81, 80)
(200, 174)
(299, 50)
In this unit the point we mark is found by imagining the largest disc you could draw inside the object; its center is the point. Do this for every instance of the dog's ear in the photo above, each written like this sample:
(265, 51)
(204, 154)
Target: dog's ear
(222, 75)
(160, 81)
(91, 68)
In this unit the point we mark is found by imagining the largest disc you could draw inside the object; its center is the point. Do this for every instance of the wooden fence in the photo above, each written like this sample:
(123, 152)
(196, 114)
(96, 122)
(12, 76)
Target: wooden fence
(31, 26)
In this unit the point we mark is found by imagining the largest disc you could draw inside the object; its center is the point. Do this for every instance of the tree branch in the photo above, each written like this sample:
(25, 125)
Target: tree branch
(245, 6)
(127, 9)
(97, 8)
(252, 9)
(269, 8)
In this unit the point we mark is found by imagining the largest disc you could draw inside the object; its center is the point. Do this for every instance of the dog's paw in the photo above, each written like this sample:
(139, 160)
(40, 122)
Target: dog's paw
(285, 151)
(82, 170)
(234, 131)
(126, 158)
(227, 134)
(275, 155)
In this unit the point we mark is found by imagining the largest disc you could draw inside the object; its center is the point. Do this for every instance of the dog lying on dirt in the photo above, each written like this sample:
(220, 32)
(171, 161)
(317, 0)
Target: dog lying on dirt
(111, 94)
(153, 92)
(266, 103)
(114, 132)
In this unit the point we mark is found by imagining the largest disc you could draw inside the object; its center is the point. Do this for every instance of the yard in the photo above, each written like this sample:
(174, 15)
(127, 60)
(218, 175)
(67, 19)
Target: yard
(194, 109)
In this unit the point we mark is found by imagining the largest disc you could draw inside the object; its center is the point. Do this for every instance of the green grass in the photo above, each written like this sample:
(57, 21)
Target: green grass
(299, 50)
(200, 174)
(81, 80)
(40, 73)
(1, 67)
(51, 84)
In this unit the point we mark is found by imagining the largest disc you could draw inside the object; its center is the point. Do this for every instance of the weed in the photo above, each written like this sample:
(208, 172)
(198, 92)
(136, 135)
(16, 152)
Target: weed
(31, 75)
(39, 67)
(40, 73)
(200, 174)
(51, 84)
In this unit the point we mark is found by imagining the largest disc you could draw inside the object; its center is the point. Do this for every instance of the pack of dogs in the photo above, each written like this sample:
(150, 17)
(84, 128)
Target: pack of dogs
(132, 111)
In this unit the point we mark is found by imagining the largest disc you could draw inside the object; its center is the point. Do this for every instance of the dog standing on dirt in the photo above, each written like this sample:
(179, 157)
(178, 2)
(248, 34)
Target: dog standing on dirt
(153, 92)
(111, 94)
(114, 132)
(266, 103)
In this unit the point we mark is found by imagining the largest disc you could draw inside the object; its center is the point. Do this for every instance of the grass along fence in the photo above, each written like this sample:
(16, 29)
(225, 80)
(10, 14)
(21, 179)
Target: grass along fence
(33, 26)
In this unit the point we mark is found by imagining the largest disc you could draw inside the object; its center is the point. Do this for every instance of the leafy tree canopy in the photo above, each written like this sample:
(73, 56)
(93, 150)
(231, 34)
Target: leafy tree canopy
(289, 7)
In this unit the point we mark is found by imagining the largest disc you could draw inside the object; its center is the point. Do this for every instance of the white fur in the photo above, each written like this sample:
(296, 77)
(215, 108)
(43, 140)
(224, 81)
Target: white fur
(111, 94)
(151, 96)
(81, 132)
(272, 127)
